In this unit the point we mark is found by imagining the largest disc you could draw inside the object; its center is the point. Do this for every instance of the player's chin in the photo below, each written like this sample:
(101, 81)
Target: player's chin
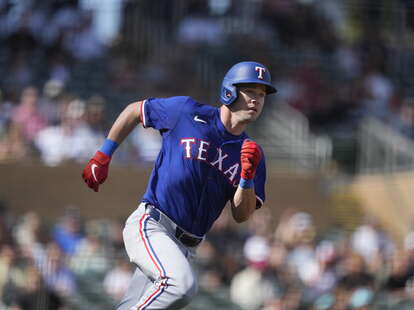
(251, 117)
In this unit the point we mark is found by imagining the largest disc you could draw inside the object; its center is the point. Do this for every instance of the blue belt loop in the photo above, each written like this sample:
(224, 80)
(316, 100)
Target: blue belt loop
(155, 214)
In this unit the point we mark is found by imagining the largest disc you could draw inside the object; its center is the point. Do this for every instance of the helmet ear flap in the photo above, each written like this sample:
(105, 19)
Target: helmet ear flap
(228, 94)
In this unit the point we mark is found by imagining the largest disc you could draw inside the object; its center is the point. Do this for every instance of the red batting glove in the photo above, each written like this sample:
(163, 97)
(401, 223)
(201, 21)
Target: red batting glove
(96, 171)
(251, 154)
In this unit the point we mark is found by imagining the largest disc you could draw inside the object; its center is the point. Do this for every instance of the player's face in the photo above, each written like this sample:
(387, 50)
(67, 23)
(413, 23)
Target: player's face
(249, 103)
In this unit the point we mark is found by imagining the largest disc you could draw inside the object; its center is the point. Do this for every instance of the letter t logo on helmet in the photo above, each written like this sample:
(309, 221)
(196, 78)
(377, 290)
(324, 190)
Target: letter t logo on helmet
(260, 70)
(245, 72)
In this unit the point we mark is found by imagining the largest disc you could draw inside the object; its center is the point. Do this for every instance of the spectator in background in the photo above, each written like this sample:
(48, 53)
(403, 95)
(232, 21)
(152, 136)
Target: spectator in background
(322, 277)
(72, 139)
(116, 281)
(53, 101)
(106, 18)
(249, 288)
(13, 144)
(377, 93)
(95, 115)
(353, 273)
(324, 302)
(400, 276)
(81, 41)
(341, 298)
(280, 275)
(56, 274)
(27, 231)
(90, 257)
(27, 114)
(349, 64)
(35, 295)
(361, 299)
(294, 227)
(11, 273)
(146, 143)
(64, 18)
(67, 232)
(28, 236)
(59, 68)
(403, 118)
(370, 241)
(301, 243)
(211, 280)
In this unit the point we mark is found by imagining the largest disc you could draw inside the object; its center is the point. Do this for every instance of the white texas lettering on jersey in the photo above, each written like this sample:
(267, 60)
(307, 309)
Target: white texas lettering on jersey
(219, 160)
(260, 71)
(232, 171)
(202, 148)
(187, 147)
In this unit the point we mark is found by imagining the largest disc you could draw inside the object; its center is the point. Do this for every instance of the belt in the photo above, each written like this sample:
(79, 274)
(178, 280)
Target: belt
(180, 234)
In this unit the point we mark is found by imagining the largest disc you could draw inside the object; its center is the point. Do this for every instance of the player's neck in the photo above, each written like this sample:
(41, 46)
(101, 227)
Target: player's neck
(230, 122)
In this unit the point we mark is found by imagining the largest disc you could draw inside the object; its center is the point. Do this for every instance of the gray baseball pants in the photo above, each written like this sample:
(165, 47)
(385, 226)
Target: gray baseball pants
(164, 278)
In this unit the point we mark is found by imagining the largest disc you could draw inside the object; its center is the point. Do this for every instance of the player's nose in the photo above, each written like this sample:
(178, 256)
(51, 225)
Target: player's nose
(254, 101)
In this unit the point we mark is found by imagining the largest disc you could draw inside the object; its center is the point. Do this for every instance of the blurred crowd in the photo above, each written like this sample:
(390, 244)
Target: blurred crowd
(69, 66)
(65, 65)
(295, 265)
(74, 263)
(58, 127)
(46, 266)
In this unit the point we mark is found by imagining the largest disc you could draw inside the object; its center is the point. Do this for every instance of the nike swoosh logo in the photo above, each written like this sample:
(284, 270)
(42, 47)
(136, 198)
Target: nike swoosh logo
(197, 119)
(93, 171)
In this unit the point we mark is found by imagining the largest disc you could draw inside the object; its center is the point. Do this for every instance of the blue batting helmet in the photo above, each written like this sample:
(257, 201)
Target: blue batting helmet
(243, 73)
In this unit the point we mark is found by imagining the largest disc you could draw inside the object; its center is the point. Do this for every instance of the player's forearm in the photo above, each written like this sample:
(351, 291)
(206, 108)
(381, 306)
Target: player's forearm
(96, 171)
(125, 123)
(244, 204)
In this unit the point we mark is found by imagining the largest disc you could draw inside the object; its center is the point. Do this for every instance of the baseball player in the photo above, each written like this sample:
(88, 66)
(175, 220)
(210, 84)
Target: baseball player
(206, 160)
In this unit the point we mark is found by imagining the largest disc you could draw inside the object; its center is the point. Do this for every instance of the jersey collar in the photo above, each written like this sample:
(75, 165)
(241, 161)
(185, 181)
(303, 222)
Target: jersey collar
(227, 136)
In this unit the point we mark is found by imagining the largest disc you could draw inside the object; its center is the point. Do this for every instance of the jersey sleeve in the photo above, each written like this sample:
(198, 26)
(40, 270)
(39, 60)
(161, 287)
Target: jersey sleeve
(259, 183)
(162, 113)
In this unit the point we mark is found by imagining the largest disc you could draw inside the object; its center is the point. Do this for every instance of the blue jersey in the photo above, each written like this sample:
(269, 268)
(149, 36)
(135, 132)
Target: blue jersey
(198, 168)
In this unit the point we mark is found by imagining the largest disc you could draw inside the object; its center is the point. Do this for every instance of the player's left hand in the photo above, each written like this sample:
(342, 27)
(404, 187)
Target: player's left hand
(96, 170)
(251, 155)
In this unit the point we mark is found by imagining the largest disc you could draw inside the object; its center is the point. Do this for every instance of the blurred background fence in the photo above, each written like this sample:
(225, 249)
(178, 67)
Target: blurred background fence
(337, 231)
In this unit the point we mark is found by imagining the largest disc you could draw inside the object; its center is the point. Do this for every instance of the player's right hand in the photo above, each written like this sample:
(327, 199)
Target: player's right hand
(96, 171)
(250, 157)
